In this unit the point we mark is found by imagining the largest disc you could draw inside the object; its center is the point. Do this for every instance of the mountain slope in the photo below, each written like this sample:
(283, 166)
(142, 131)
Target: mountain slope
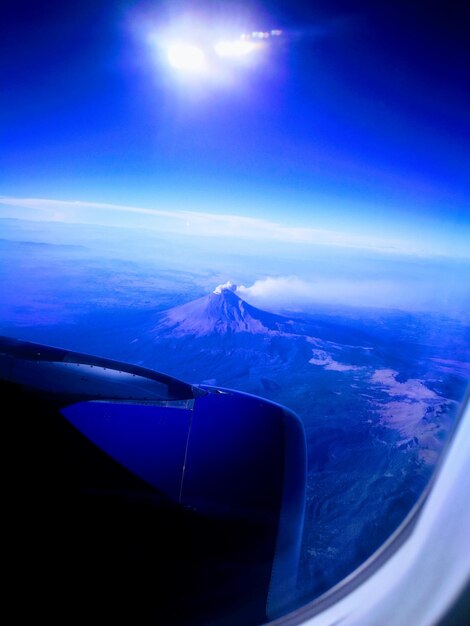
(220, 312)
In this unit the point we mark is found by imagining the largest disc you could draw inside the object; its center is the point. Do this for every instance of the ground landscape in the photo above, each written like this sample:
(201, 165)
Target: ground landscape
(378, 390)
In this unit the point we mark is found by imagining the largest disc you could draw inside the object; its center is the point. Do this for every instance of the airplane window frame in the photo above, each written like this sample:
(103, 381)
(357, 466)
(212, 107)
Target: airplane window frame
(453, 464)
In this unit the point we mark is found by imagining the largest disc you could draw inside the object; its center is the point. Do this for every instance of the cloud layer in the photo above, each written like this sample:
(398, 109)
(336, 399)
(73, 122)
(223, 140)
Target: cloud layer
(197, 223)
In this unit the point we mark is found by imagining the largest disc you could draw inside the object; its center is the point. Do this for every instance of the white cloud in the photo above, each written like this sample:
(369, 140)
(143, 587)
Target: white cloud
(199, 223)
(280, 291)
(228, 286)
(292, 293)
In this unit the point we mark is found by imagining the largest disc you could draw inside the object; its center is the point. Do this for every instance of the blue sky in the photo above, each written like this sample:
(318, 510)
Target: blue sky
(355, 122)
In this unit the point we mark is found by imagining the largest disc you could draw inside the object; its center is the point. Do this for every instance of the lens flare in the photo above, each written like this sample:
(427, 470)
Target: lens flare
(186, 57)
(236, 48)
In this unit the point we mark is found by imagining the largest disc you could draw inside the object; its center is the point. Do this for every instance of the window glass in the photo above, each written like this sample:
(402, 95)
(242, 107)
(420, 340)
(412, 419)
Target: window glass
(271, 200)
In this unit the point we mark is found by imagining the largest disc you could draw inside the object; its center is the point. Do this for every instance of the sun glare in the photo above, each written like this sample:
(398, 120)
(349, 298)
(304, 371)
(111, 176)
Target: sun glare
(186, 57)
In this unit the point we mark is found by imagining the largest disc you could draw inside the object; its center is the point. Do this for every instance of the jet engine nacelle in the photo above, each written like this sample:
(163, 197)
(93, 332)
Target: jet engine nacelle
(150, 500)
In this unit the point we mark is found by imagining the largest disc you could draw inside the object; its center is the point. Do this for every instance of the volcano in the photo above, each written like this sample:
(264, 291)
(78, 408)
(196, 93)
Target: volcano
(221, 312)
(220, 339)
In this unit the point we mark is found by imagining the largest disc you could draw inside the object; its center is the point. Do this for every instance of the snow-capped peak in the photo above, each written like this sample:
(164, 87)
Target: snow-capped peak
(228, 286)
